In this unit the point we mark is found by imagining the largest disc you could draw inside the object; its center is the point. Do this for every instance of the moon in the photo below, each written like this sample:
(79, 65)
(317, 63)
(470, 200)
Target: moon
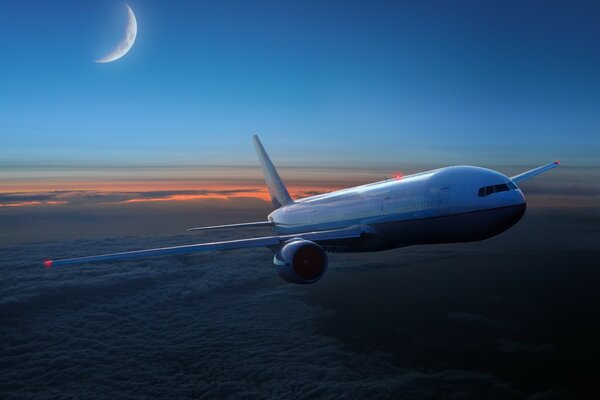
(126, 43)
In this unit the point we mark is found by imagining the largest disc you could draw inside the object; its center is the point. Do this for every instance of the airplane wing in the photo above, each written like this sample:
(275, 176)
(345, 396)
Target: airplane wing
(242, 225)
(533, 172)
(267, 241)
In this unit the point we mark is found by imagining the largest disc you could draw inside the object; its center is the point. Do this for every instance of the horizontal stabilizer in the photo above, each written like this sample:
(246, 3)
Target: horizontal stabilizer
(533, 172)
(267, 241)
(242, 225)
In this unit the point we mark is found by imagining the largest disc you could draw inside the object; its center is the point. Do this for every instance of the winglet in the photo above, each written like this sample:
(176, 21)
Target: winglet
(279, 193)
(533, 172)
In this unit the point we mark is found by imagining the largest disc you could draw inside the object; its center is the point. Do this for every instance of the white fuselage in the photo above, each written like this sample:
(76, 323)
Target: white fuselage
(403, 209)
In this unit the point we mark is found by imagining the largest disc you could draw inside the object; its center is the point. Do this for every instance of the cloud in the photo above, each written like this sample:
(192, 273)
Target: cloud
(511, 346)
(309, 193)
(30, 199)
(100, 197)
(95, 197)
(187, 195)
(470, 321)
(467, 317)
(215, 325)
(33, 203)
(18, 197)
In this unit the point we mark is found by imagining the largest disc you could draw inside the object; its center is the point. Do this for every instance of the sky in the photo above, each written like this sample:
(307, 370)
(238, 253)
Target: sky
(101, 158)
(328, 85)
(320, 81)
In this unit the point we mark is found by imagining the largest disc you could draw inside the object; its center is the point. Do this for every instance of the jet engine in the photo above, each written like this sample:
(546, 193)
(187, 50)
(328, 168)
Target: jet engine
(300, 261)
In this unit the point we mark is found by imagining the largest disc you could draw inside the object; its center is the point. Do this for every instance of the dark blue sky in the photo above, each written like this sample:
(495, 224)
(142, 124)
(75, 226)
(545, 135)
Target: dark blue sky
(324, 82)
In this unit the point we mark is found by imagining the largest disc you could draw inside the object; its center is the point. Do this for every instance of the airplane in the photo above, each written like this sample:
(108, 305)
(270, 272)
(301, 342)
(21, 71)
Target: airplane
(445, 205)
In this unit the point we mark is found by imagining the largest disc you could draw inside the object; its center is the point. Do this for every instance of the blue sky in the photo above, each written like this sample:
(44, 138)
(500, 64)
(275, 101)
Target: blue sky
(330, 83)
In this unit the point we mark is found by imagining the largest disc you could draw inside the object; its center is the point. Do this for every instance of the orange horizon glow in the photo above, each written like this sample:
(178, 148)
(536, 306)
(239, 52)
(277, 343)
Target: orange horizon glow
(32, 203)
(67, 192)
(149, 186)
(137, 189)
(190, 197)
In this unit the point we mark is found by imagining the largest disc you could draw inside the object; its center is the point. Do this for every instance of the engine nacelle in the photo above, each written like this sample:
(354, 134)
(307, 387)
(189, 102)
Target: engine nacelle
(300, 261)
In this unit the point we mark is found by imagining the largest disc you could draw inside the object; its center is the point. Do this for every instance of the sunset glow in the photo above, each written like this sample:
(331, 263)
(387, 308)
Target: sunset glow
(189, 197)
(32, 203)
(69, 193)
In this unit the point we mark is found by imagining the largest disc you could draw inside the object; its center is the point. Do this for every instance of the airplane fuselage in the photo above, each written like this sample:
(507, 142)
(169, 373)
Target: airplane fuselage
(447, 205)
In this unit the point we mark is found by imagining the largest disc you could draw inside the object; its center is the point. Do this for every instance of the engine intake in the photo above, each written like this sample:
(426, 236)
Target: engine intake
(300, 261)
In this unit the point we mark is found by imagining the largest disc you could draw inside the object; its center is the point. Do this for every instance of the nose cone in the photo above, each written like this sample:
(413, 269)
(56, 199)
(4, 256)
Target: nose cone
(507, 217)
(516, 213)
(519, 197)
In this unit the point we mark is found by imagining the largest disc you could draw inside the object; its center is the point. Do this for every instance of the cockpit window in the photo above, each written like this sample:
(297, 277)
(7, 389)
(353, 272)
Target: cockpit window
(503, 187)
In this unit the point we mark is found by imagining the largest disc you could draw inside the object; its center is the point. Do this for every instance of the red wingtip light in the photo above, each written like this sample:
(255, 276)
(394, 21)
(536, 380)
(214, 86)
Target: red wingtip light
(557, 162)
(48, 263)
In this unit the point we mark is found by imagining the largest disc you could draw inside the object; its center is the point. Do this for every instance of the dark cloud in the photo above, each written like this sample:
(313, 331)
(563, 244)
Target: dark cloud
(515, 306)
(509, 346)
(508, 318)
(208, 326)
(467, 317)
(309, 193)
(101, 218)
(18, 197)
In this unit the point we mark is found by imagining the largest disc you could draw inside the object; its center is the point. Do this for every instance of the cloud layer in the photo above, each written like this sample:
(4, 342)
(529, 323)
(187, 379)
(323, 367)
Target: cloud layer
(207, 326)
(494, 319)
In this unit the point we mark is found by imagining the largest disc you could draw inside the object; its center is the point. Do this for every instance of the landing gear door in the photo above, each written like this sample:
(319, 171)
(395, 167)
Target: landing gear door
(444, 200)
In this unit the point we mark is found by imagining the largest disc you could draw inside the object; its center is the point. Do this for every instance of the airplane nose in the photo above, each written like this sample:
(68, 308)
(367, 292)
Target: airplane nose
(520, 197)
(507, 217)
(516, 213)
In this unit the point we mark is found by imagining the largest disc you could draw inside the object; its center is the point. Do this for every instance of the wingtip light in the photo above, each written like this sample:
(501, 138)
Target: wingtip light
(557, 162)
(48, 263)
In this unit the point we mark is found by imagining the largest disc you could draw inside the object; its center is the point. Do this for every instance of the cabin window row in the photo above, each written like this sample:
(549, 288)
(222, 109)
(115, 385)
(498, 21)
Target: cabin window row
(504, 187)
(387, 208)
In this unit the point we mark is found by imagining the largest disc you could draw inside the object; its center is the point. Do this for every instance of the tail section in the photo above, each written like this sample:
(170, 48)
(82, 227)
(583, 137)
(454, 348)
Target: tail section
(279, 193)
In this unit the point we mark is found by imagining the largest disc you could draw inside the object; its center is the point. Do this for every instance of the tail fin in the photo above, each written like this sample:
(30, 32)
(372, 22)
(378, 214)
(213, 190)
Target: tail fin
(279, 193)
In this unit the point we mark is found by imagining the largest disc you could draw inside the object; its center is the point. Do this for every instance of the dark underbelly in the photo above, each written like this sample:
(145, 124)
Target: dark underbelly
(453, 228)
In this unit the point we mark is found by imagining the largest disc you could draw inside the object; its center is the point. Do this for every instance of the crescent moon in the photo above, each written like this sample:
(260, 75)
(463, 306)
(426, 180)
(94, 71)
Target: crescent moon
(126, 43)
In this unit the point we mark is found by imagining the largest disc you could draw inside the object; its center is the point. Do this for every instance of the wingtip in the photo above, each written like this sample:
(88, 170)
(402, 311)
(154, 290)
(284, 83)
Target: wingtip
(48, 264)
(557, 162)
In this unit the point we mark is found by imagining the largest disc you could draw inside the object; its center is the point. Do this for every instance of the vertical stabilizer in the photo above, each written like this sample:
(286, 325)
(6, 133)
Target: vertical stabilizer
(279, 193)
